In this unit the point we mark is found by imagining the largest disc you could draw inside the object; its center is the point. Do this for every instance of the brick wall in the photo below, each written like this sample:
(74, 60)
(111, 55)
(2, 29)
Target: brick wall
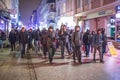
(108, 1)
(96, 4)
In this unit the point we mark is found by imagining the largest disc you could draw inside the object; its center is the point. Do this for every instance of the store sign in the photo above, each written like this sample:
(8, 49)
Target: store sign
(102, 13)
(5, 14)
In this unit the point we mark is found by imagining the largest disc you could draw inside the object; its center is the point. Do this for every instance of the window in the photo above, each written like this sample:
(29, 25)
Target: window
(86, 2)
(78, 4)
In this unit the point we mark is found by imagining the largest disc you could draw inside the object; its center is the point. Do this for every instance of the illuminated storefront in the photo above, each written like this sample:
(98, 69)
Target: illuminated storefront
(118, 23)
(68, 21)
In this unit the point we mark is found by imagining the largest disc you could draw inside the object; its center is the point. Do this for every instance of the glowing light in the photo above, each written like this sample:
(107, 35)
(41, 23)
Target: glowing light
(118, 15)
(20, 23)
(67, 21)
(2, 22)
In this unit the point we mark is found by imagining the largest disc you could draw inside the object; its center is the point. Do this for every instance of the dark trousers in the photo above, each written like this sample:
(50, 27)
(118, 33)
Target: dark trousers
(68, 48)
(12, 46)
(103, 48)
(77, 53)
(44, 50)
(99, 48)
(29, 45)
(51, 52)
(62, 45)
(87, 49)
(57, 44)
(23, 49)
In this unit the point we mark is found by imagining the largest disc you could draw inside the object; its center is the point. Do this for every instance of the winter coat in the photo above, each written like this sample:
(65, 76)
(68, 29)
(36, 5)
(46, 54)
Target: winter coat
(62, 37)
(77, 39)
(44, 38)
(86, 38)
(29, 37)
(50, 39)
(12, 37)
(98, 39)
(37, 35)
(93, 39)
(23, 37)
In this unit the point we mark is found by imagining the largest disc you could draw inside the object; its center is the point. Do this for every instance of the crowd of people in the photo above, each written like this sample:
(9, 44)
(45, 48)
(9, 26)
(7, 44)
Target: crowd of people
(73, 41)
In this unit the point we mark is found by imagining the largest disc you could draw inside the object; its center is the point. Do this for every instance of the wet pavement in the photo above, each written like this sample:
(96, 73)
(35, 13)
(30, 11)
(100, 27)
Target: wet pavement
(36, 68)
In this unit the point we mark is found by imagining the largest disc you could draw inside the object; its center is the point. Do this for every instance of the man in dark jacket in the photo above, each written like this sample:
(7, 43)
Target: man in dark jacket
(12, 39)
(50, 45)
(87, 41)
(23, 41)
(77, 42)
(44, 42)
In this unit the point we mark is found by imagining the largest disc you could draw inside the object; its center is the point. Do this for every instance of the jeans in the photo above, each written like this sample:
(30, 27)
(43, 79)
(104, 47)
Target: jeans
(23, 49)
(62, 45)
(99, 48)
(87, 49)
(37, 45)
(68, 48)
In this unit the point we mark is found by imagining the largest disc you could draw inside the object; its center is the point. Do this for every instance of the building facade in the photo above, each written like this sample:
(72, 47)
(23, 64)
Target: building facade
(65, 11)
(9, 10)
(14, 11)
(46, 14)
(95, 14)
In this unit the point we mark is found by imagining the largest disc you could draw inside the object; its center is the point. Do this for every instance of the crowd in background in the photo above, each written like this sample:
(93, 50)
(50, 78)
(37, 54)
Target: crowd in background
(49, 41)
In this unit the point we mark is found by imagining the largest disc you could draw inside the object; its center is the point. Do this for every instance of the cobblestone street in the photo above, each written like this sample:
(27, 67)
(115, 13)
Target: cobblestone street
(37, 68)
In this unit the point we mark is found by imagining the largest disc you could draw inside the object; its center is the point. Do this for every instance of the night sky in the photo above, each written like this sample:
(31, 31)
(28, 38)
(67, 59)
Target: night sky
(26, 9)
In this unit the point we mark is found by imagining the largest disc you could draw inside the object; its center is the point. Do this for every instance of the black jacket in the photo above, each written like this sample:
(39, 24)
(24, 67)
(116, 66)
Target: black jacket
(86, 38)
(37, 35)
(12, 36)
(77, 39)
(62, 35)
(23, 37)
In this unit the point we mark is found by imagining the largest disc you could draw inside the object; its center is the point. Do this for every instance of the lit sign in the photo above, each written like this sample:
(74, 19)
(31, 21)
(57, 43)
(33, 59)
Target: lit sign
(118, 15)
(118, 8)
